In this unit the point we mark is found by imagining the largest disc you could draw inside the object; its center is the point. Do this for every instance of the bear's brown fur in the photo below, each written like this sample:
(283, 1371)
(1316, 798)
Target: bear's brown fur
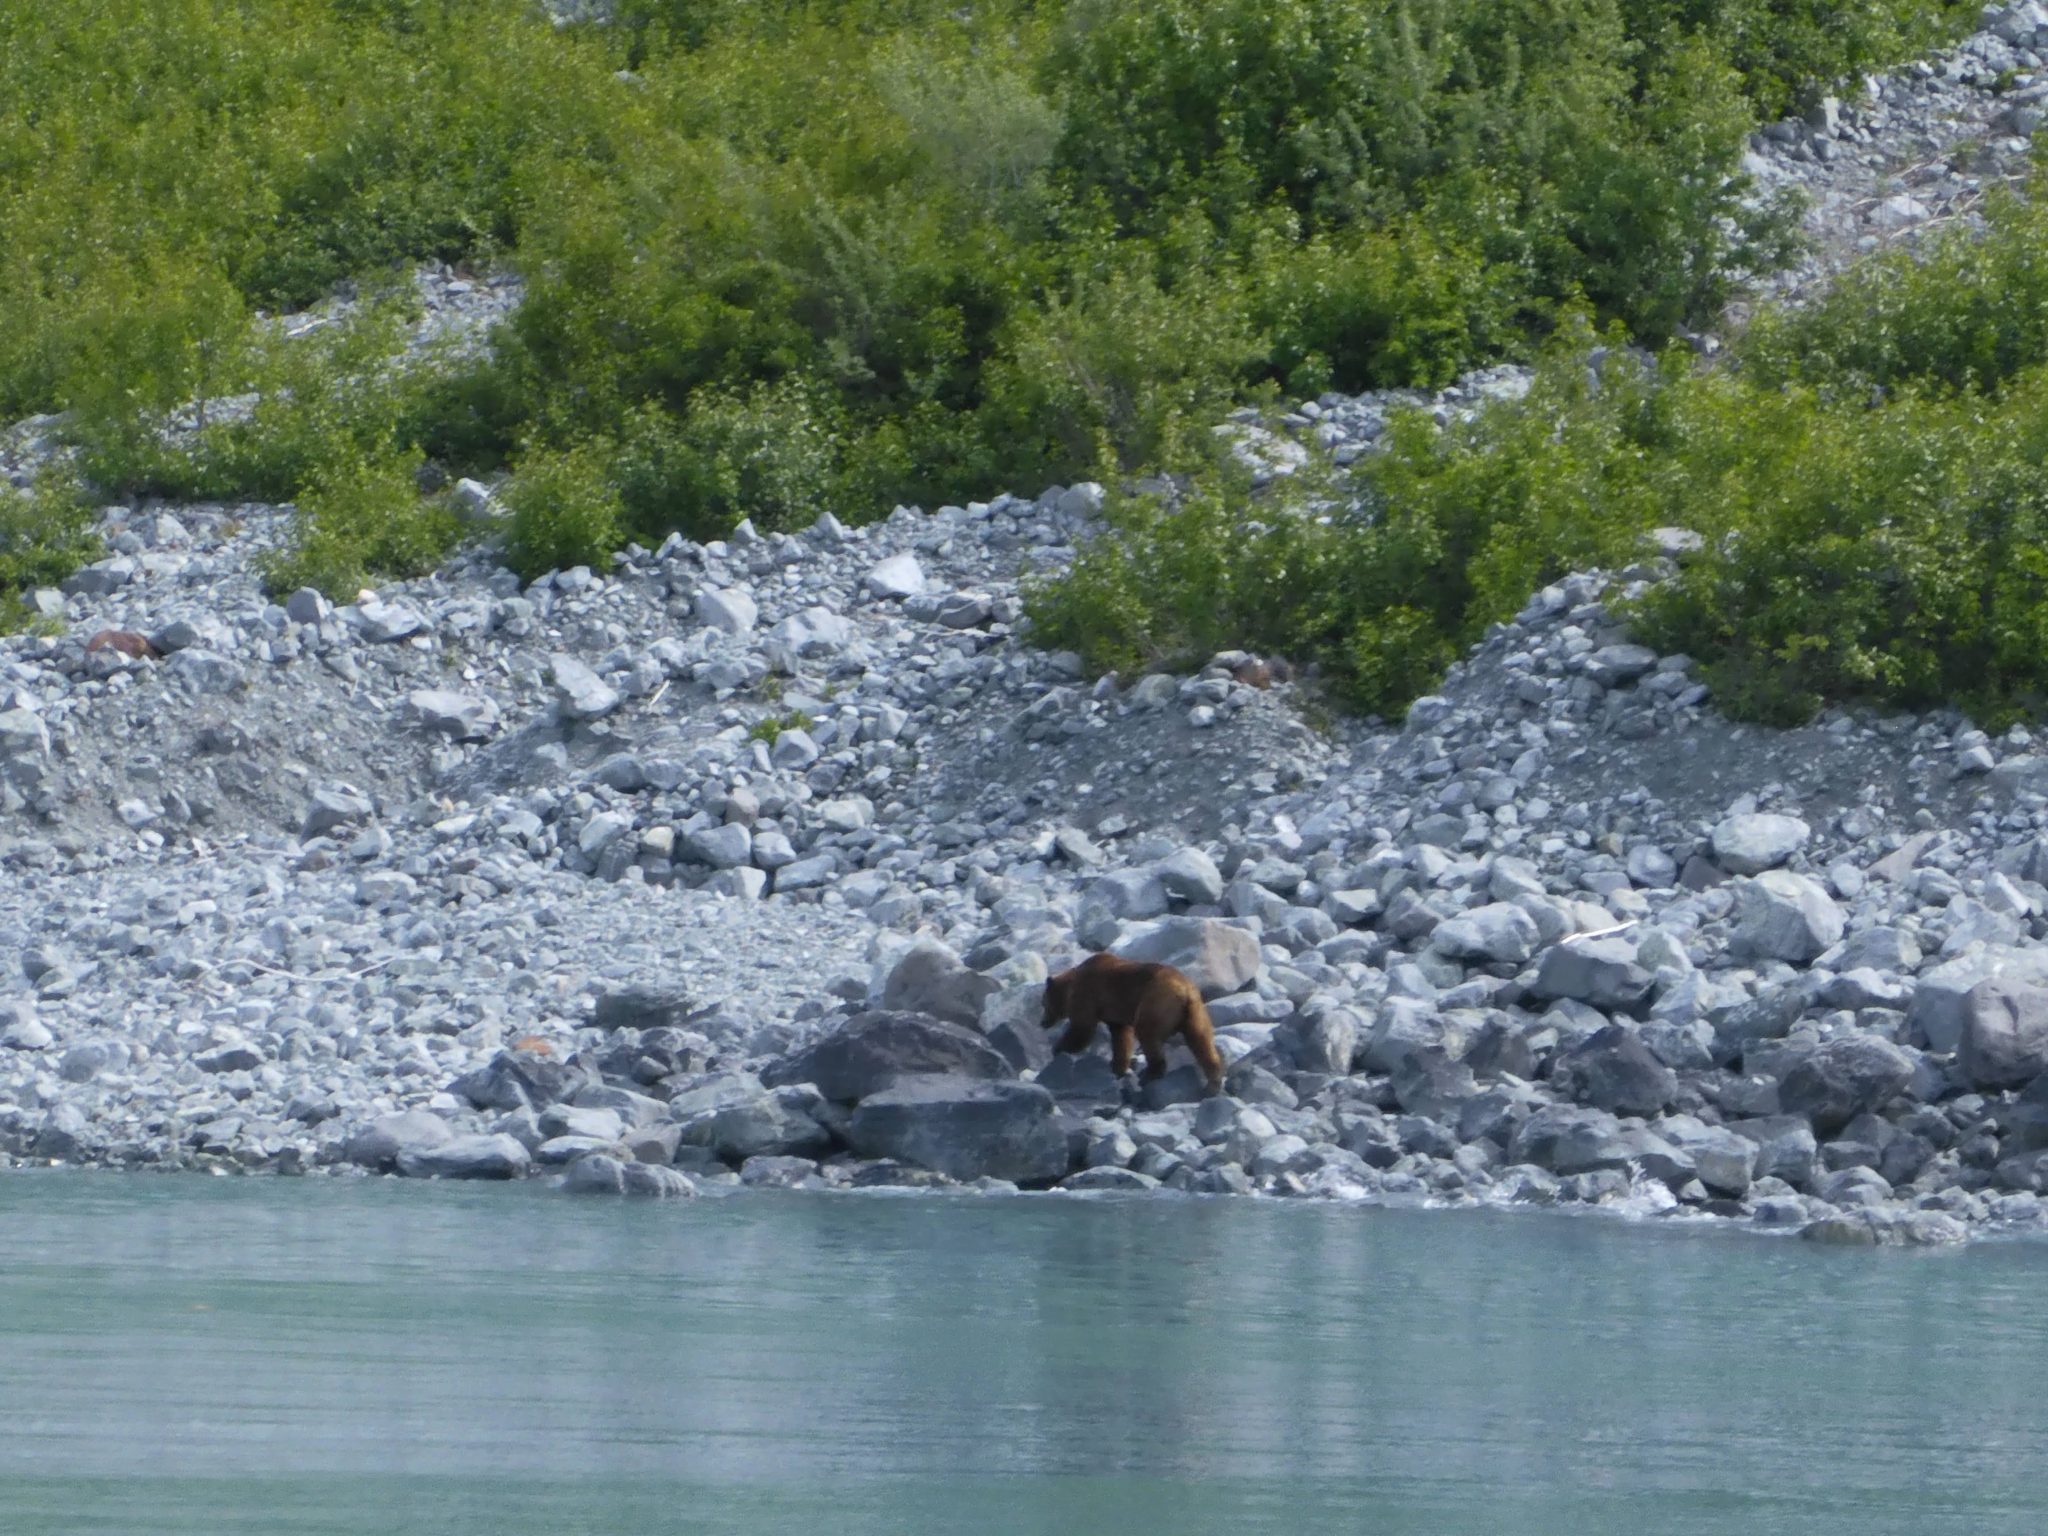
(1143, 1004)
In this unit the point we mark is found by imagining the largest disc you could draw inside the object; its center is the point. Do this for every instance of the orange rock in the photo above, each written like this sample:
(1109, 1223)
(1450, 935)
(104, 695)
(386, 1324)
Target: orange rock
(534, 1044)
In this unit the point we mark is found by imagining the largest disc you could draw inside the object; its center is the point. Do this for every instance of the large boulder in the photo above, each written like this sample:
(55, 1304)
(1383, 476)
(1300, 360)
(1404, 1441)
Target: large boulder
(931, 979)
(645, 1007)
(1218, 957)
(1722, 1159)
(1013, 1022)
(1940, 1005)
(1499, 933)
(1612, 1069)
(1190, 875)
(518, 1080)
(1842, 1078)
(1749, 845)
(1601, 972)
(461, 716)
(1408, 1028)
(965, 1129)
(465, 1157)
(384, 1140)
(773, 1124)
(1783, 916)
(1567, 1139)
(872, 1050)
(2005, 1034)
(1785, 1148)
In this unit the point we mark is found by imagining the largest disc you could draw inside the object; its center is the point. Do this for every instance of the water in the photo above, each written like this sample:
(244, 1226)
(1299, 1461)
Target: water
(281, 1357)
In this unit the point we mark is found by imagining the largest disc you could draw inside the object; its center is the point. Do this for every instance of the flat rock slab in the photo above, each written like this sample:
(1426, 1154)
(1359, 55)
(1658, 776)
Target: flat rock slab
(965, 1129)
(874, 1050)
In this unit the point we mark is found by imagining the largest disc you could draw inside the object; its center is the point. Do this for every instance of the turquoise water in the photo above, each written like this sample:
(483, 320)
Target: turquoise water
(180, 1354)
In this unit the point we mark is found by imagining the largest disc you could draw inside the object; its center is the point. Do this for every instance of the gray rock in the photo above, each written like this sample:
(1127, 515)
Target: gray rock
(308, 606)
(238, 1057)
(1601, 972)
(1190, 875)
(965, 1129)
(1751, 844)
(1941, 995)
(1612, 1069)
(23, 734)
(459, 716)
(1842, 1078)
(1783, 916)
(1566, 1139)
(65, 1135)
(931, 979)
(1219, 957)
(644, 1007)
(1500, 933)
(334, 805)
(776, 1124)
(465, 1157)
(204, 671)
(727, 846)
(514, 1080)
(897, 576)
(384, 1140)
(730, 609)
(2005, 1034)
(873, 1050)
(581, 693)
(382, 622)
(88, 1059)
(813, 632)
(1724, 1161)
(1612, 665)
(1011, 1020)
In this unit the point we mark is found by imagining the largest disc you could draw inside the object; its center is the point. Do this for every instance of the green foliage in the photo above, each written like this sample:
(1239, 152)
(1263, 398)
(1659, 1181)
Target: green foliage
(782, 255)
(357, 520)
(1380, 586)
(1965, 311)
(45, 533)
(768, 727)
(564, 509)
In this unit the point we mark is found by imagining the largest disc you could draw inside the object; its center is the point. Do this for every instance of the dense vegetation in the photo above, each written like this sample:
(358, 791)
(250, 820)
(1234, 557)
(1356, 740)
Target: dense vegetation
(1870, 477)
(790, 255)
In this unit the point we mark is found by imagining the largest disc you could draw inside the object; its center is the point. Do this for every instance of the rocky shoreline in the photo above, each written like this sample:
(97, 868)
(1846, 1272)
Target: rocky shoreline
(741, 864)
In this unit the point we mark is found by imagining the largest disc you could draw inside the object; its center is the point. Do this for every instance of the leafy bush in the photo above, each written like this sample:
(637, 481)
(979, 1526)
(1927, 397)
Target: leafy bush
(45, 533)
(358, 520)
(1966, 311)
(564, 509)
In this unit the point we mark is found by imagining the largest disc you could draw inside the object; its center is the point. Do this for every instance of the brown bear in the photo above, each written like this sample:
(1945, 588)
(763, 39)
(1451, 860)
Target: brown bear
(1142, 1003)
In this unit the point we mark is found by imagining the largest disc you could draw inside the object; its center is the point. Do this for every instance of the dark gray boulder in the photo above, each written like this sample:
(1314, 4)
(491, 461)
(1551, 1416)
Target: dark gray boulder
(1601, 972)
(380, 1143)
(518, 1080)
(1612, 1069)
(2005, 1034)
(645, 1007)
(965, 1128)
(1566, 1139)
(465, 1157)
(873, 1050)
(1841, 1078)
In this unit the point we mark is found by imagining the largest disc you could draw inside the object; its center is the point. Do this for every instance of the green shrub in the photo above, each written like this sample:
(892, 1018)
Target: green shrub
(45, 533)
(1968, 310)
(357, 521)
(564, 509)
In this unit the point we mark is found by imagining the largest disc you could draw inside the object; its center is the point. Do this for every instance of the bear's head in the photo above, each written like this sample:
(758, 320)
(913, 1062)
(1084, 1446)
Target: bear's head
(1056, 990)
